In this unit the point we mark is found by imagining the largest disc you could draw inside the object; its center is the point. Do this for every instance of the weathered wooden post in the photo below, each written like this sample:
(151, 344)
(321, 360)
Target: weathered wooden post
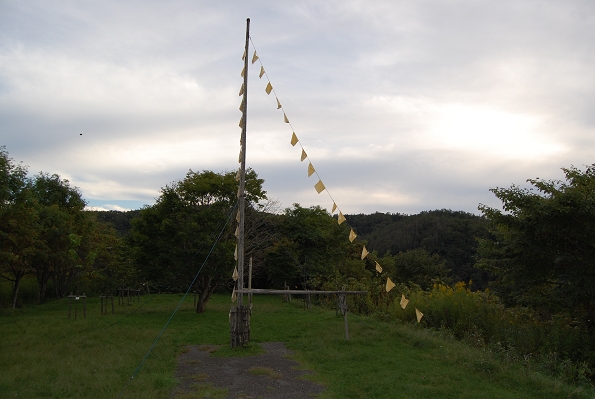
(70, 304)
(343, 309)
(104, 300)
(286, 297)
(75, 299)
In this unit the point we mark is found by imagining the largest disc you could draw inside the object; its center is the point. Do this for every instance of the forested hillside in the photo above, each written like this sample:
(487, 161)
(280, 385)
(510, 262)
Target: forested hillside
(450, 234)
(120, 221)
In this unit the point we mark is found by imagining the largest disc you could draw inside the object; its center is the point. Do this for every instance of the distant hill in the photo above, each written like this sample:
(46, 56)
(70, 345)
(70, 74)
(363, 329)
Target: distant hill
(450, 234)
(118, 219)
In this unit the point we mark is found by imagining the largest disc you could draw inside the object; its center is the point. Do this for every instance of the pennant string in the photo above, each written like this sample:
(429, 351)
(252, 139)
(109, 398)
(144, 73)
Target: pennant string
(271, 89)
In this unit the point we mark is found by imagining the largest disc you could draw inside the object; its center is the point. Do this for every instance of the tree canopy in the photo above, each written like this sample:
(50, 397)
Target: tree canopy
(45, 231)
(172, 237)
(543, 251)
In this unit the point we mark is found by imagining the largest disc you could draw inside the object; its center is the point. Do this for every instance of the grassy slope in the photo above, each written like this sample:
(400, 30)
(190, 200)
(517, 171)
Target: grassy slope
(45, 355)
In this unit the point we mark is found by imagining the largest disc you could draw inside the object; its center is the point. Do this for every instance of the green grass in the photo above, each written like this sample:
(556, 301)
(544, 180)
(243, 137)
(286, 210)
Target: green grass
(45, 355)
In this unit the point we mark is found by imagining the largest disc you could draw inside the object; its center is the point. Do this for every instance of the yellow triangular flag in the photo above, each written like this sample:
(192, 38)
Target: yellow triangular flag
(239, 192)
(235, 254)
(304, 155)
(389, 285)
(364, 252)
(238, 175)
(241, 90)
(278, 103)
(418, 314)
(352, 235)
(244, 56)
(254, 57)
(404, 301)
(341, 218)
(285, 118)
(241, 124)
(240, 156)
(243, 72)
(311, 169)
(269, 88)
(238, 217)
(237, 233)
(378, 268)
(294, 139)
(319, 186)
(334, 208)
(233, 295)
(235, 274)
(242, 105)
(261, 72)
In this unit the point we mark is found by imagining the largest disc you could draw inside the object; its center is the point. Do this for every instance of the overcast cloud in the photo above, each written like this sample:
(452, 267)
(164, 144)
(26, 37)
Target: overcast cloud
(402, 106)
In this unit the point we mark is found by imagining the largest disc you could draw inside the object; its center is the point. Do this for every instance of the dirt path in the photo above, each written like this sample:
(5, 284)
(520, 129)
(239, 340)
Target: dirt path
(270, 375)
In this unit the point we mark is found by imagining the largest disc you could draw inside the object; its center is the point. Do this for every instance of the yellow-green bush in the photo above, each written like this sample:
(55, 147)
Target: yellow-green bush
(557, 344)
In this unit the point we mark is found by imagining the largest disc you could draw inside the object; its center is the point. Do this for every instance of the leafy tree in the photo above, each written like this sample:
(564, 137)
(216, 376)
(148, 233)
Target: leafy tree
(64, 232)
(310, 249)
(172, 237)
(543, 251)
(18, 223)
(45, 231)
(112, 266)
(419, 267)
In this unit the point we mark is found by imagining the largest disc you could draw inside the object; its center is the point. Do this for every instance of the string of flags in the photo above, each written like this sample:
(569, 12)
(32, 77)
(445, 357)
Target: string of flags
(319, 186)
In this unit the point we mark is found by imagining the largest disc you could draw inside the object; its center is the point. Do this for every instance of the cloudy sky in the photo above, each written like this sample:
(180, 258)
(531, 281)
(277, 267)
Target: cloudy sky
(402, 106)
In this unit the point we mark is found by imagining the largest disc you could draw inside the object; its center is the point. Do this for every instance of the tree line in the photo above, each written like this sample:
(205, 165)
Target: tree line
(536, 252)
(45, 233)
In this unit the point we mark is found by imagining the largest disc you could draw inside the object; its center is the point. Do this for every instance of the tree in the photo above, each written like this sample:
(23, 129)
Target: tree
(18, 223)
(112, 266)
(173, 237)
(64, 232)
(419, 267)
(45, 231)
(310, 249)
(543, 250)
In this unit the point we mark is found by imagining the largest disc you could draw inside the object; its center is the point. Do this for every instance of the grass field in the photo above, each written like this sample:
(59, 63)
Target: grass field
(45, 355)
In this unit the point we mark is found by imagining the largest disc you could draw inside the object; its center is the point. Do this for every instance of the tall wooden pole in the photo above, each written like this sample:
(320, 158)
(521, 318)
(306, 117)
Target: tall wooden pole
(242, 202)
(240, 321)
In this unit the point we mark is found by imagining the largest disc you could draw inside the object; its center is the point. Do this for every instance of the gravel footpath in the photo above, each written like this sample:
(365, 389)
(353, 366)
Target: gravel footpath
(270, 375)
